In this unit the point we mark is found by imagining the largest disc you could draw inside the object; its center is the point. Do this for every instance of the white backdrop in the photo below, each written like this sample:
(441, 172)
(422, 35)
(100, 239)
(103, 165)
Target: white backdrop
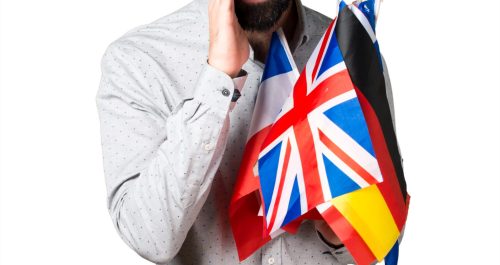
(444, 60)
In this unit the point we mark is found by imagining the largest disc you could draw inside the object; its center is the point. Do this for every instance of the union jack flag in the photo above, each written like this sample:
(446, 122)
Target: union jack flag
(313, 139)
(331, 148)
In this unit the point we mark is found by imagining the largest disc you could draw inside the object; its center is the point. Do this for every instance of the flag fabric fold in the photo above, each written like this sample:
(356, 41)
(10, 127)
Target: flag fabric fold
(322, 144)
(279, 77)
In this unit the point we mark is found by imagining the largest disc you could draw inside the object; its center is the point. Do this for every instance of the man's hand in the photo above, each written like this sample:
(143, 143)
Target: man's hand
(228, 49)
(327, 233)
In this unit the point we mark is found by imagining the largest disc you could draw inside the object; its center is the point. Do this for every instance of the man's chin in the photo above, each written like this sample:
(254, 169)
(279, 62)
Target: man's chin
(260, 15)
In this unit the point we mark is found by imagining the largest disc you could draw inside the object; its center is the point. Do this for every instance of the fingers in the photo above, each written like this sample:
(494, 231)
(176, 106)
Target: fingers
(211, 6)
(227, 4)
(221, 6)
(228, 45)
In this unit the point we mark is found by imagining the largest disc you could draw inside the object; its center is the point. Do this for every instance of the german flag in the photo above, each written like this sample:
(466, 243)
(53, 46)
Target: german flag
(369, 221)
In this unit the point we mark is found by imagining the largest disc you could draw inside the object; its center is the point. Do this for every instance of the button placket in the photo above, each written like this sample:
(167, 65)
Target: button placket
(271, 252)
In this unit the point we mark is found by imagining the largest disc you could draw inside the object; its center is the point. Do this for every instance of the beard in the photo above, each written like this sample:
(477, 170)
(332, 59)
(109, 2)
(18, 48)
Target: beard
(262, 16)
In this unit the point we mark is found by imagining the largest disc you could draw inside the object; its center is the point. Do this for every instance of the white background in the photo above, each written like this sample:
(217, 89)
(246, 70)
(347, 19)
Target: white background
(444, 60)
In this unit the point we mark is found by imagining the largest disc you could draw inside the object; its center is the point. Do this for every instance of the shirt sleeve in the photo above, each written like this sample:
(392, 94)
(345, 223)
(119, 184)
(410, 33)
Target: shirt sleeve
(158, 164)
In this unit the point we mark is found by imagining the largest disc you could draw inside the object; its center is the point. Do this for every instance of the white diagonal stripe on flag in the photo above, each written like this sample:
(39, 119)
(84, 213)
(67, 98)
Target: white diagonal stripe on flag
(349, 146)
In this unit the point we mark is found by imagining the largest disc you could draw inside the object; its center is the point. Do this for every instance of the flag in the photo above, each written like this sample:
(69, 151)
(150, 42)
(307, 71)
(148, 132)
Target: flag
(331, 149)
(369, 221)
(279, 77)
(319, 146)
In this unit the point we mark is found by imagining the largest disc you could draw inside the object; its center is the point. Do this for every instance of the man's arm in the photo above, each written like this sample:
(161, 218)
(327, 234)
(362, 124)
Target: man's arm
(158, 166)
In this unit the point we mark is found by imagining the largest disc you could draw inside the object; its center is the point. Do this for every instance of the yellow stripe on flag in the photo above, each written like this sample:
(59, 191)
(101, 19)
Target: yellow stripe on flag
(367, 212)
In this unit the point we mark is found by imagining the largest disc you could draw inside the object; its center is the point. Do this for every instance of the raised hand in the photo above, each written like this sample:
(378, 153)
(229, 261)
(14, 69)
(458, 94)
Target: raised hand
(229, 47)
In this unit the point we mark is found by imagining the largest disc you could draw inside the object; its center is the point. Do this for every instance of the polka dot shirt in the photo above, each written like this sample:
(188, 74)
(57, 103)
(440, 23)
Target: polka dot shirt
(172, 143)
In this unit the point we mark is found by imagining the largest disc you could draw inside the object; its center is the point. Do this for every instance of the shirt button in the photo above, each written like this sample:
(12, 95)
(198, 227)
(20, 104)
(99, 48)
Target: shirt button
(226, 92)
(270, 261)
(208, 147)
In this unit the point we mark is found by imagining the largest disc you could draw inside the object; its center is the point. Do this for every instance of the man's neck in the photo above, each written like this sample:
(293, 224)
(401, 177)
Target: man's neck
(260, 41)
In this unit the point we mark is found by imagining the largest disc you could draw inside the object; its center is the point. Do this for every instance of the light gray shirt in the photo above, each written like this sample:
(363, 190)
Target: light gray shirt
(172, 143)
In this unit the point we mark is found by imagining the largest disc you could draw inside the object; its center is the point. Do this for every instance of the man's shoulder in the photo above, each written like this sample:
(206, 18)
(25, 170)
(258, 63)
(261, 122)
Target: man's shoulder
(181, 29)
(164, 54)
(316, 21)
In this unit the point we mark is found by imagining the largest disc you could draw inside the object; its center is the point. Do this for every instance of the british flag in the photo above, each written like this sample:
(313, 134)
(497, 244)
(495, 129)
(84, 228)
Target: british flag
(322, 145)
(319, 146)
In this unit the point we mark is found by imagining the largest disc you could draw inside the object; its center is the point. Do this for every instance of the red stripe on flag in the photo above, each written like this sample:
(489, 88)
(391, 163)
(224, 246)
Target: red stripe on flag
(280, 187)
(326, 90)
(335, 84)
(347, 159)
(389, 188)
(314, 192)
(300, 89)
(297, 118)
(326, 37)
(351, 239)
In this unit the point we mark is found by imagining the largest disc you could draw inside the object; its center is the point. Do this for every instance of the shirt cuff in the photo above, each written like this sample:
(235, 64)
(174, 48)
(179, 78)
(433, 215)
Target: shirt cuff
(239, 83)
(214, 88)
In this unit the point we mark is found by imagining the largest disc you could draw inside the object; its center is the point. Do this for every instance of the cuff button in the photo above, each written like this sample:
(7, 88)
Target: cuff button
(226, 92)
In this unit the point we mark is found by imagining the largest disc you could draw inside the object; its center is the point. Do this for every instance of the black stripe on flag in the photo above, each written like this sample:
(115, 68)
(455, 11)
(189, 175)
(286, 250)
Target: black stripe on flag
(364, 67)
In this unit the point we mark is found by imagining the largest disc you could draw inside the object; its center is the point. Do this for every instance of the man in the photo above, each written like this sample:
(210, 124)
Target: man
(174, 130)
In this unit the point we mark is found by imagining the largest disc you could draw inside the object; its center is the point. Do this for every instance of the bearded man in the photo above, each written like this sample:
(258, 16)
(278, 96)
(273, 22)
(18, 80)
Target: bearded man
(175, 103)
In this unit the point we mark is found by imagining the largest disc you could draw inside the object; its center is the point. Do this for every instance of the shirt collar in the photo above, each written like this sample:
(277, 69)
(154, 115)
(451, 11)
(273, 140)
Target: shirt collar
(301, 35)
